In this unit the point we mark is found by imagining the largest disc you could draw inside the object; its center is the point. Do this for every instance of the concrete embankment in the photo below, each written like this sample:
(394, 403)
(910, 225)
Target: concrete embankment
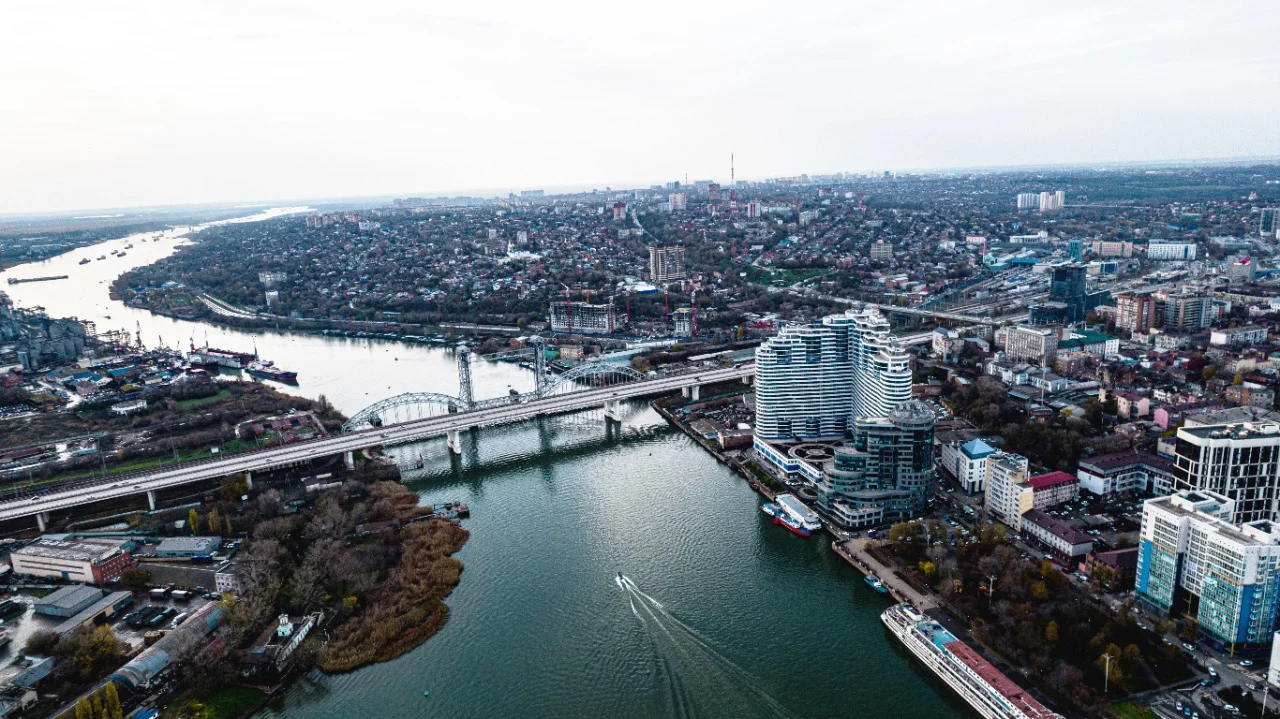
(854, 551)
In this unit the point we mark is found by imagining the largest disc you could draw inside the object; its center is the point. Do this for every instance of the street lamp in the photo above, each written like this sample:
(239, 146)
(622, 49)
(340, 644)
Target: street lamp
(1106, 679)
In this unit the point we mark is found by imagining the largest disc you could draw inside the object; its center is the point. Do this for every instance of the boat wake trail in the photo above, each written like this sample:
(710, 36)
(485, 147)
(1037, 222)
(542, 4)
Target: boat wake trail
(700, 680)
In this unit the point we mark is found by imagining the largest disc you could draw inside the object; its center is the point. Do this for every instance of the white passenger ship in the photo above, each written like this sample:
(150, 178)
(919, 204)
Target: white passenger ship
(984, 687)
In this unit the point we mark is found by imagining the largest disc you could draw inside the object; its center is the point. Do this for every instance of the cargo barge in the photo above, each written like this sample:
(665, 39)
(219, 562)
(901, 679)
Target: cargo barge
(22, 280)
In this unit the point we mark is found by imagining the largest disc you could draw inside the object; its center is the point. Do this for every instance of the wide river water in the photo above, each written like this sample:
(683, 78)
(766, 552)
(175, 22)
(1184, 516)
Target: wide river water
(721, 614)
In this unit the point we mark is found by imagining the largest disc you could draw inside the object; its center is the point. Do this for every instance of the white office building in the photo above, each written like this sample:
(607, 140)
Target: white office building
(967, 462)
(1165, 250)
(813, 380)
(1008, 496)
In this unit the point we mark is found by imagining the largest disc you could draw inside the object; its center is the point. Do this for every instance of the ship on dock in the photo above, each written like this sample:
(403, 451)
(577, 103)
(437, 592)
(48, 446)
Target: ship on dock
(212, 358)
(985, 688)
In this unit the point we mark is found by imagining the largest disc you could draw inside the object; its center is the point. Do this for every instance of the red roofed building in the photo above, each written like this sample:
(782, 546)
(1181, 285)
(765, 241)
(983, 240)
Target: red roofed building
(1053, 488)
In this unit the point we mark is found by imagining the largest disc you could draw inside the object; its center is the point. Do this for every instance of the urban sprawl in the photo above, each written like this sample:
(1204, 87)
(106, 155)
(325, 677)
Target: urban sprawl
(1038, 408)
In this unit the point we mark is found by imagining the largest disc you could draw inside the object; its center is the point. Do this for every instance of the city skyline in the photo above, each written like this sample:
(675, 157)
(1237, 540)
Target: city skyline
(139, 106)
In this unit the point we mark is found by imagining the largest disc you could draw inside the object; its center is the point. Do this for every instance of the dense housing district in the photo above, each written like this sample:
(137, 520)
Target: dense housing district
(1037, 408)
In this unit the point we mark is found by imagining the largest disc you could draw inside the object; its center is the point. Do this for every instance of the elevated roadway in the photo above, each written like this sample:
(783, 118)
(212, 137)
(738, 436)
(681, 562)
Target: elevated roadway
(519, 408)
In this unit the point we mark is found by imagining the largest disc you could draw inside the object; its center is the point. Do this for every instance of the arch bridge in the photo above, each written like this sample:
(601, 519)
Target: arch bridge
(414, 406)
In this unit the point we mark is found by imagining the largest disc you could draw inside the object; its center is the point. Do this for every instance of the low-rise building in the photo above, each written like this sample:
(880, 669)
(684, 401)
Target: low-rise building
(1059, 537)
(68, 601)
(1052, 489)
(1114, 570)
(178, 547)
(83, 560)
(1131, 471)
(1238, 336)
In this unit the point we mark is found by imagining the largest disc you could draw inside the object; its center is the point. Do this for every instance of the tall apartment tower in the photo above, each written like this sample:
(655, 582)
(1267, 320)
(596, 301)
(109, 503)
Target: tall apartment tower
(1197, 559)
(1135, 312)
(813, 381)
(666, 263)
(1239, 461)
(1270, 222)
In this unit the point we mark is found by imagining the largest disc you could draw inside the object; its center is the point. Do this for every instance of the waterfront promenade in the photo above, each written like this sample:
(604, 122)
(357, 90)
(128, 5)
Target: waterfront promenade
(854, 551)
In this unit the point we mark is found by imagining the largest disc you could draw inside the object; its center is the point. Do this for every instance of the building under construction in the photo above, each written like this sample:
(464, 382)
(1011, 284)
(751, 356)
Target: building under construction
(582, 318)
(666, 263)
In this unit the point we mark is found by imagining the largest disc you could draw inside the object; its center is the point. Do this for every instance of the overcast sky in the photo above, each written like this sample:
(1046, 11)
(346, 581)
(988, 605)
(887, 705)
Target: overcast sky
(118, 104)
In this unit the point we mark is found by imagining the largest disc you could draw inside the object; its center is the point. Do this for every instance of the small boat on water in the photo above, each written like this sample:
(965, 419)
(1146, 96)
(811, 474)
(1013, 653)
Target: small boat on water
(84, 260)
(876, 584)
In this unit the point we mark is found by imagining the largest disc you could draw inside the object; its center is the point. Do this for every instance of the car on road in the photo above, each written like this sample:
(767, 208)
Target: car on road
(1189, 647)
(1246, 663)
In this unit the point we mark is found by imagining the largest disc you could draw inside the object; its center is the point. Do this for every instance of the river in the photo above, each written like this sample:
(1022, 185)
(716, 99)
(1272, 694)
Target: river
(721, 613)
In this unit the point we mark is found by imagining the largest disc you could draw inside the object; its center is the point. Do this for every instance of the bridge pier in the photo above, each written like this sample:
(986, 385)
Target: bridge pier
(248, 479)
(612, 410)
(455, 441)
(42, 519)
(151, 499)
(693, 392)
(349, 459)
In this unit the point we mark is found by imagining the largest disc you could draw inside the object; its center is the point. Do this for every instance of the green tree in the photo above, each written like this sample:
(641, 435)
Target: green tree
(1039, 591)
(1051, 633)
(903, 531)
(929, 568)
(215, 522)
(96, 703)
(112, 702)
(234, 487)
(84, 710)
(193, 519)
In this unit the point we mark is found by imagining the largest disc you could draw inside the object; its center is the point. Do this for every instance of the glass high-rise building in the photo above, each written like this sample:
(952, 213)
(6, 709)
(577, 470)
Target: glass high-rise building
(813, 381)
(886, 473)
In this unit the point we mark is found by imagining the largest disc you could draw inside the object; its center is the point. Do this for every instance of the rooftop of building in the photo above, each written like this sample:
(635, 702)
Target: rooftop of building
(1058, 528)
(180, 544)
(1233, 415)
(1128, 458)
(977, 449)
(1240, 430)
(74, 551)
(71, 596)
(1052, 479)
(1126, 558)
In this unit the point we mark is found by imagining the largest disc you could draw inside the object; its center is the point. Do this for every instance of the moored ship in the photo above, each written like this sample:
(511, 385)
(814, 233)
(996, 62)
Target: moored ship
(992, 694)
(268, 370)
(781, 517)
(213, 358)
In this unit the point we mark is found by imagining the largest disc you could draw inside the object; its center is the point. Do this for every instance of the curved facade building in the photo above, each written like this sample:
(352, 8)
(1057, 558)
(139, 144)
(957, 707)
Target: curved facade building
(886, 473)
(813, 381)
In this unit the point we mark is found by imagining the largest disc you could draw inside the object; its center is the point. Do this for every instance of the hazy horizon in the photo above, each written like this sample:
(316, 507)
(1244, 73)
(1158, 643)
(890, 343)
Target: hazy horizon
(143, 104)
